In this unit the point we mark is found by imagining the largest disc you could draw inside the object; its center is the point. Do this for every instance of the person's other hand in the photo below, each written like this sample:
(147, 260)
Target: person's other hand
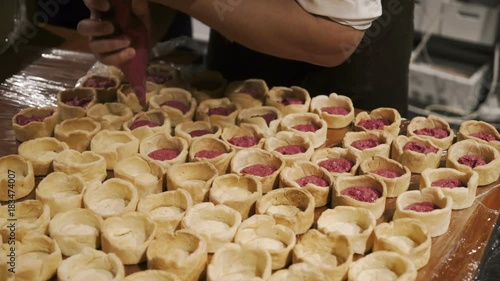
(108, 46)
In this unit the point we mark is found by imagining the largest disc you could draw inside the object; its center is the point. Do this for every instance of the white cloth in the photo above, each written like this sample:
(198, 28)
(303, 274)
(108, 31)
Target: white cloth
(358, 14)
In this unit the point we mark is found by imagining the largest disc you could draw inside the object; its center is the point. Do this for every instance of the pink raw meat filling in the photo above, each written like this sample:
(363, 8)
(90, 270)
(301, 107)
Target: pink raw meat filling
(249, 91)
(100, 82)
(25, 120)
(224, 111)
(312, 179)
(80, 102)
(422, 207)
(374, 124)
(472, 161)
(420, 147)
(142, 123)
(337, 165)
(365, 144)
(386, 173)
(208, 154)
(306, 128)
(268, 117)
(362, 193)
(260, 170)
(336, 110)
(177, 104)
(291, 149)
(484, 136)
(438, 133)
(449, 183)
(245, 141)
(199, 133)
(291, 100)
(158, 78)
(164, 154)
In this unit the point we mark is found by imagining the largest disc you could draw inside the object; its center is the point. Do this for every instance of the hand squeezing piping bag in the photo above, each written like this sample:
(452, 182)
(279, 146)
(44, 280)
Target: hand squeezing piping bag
(120, 14)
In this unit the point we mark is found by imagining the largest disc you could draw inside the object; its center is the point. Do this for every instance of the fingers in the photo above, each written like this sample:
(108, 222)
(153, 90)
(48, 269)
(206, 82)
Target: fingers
(99, 46)
(117, 58)
(95, 28)
(97, 5)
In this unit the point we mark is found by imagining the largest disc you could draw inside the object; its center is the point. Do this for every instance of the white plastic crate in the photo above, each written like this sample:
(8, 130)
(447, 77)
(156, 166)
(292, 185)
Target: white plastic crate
(427, 16)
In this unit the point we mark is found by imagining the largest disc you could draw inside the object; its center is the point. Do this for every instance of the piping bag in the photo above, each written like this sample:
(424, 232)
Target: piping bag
(127, 23)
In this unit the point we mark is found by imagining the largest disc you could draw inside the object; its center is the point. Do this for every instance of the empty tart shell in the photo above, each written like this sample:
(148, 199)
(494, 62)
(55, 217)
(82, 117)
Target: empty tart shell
(152, 275)
(77, 133)
(104, 94)
(183, 253)
(145, 175)
(236, 262)
(395, 185)
(442, 140)
(128, 236)
(163, 141)
(417, 162)
(291, 207)
(266, 118)
(243, 137)
(73, 103)
(469, 130)
(262, 231)
(20, 173)
(237, 192)
(342, 104)
(114, 146)
(45, 120)
(91, 263)
(163, 75)
(41, 153)
(437, 221)
(61, 192)
(288, 139)
(75, 230)
(111, 116)
(112, 198)
(196, 178)
(126, 95)
(207, 85)
(379, 139)
(292, 123)
(207, 145)
(331, 253)
(146, 124)
(203, 112)
(375, 205)
(248, 93)
(310, 177)
(90, 165)
(463, 195)
(355, 223)
(216, 224)
(323, 156)
(167, 209)
(32, 218)
(299, 272)
(387, 114)
(289, 100)
(488, 173)
(249, 158)
(383, 265)
(407, 237)
(193, 130)
(168, 98)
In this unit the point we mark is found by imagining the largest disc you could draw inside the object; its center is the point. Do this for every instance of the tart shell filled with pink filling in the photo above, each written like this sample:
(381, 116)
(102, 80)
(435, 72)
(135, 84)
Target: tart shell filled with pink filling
(100, 82)
(223, 111)
(484, 136)
(199, 133)
(291, 149)
(472, 161)
(374, 123)
(184, 108)
(208, 154)
(141, 123)
(362, 193)
(267, 117)
(419, 147)
(291, 100)
(244, 141)
(336, 110)
(79, 102)
(316, 180)
(365, 144)
(337, 165)
(433, 132)
(422, 207)
(386, 173)
(260, 170)
(164, 154)
(306, 128)
(448, 183)
(25, 120)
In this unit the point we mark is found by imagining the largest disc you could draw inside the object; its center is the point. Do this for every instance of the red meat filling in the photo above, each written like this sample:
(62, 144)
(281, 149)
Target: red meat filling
(438, 133)
(374, 124)
(99, 82)
(422, 207)
(291, 100)
(142, 123)
(306, 128)
(312, 179)
(386, 173)
(25, 120)
(291, 149)
(199, 133)
(250, 91)
(268, 117)
(472, 161)
(178, 105)
(362, 193)
(260, 170)
(164, 154)
(449, 183)
(365, 144)
(420, 147)
(224, 111)
(484, 136)
(80, 102)
(336, 110)
(337, 165)
(245, 141)
(208, 154)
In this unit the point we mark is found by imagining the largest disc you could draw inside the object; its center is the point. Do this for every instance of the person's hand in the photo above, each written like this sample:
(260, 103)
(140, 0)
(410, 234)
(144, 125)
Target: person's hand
(108, 46)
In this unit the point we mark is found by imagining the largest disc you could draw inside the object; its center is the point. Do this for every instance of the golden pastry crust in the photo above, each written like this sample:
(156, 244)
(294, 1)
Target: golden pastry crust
(146, 176)
(90, 262)
(160, 118)
(382, 149)
(331, 253)
(221, 162)
(183, 253)
(324, 154)
(464, 195)
(248, 93)
(249, 157)
(488, 173)
(383, 265)
(390, 114)
(104, 95)
(128, 236)
(275, 96)
(376, 207)
(167, 209)
(114, 197)
(237, 192)
(395, 186)
(415, 161)
(35, 130)
(291, 207)
(77, 133)
(355, 223)
(436, 221)
(32, 218)
(283, 139)
(164, 141)
(41, 153)
(317, 138)
(221, 120)
(16, 174)
(178, 95)
(299, 272)
(166, 71)
(407, 237)
(472, 127)
(243, 130)
(72, 111)
(196, 178)
(250, 115)
(76, 229)
(262, 231)
(91, 166)
(186, 128)
(216, 224)
(433, 122)
(334, 121)
(114, 146)
(152, 275)
(126, 95)
(290, 175)
(61, 192)
(111, 116)
(207, 85)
